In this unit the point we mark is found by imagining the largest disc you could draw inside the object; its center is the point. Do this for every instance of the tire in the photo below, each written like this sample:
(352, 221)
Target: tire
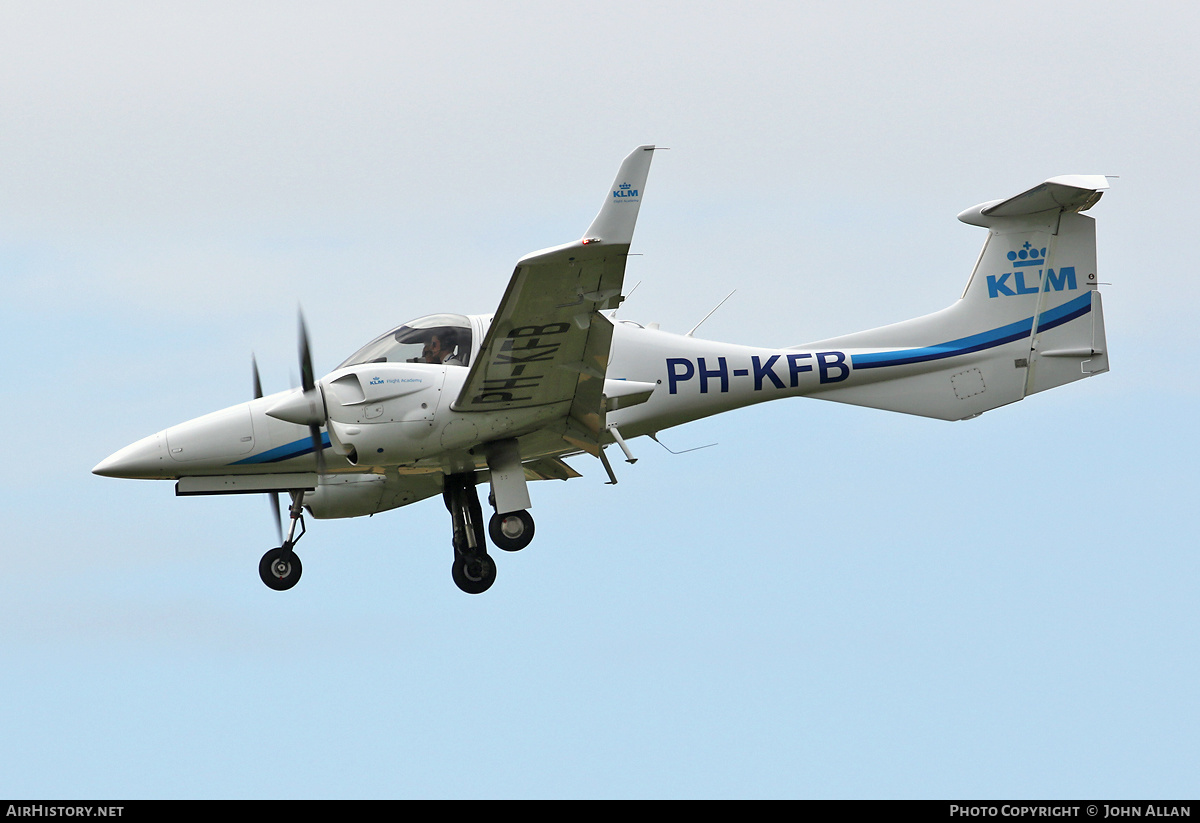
(280, 570)
(511, 532)
(474, 573)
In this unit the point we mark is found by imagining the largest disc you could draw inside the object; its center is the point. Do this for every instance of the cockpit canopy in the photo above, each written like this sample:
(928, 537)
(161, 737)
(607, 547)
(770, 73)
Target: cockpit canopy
(434, 338)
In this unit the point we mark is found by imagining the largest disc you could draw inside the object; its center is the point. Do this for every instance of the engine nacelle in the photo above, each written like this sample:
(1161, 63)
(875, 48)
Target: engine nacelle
(383, 413)
(347, 495)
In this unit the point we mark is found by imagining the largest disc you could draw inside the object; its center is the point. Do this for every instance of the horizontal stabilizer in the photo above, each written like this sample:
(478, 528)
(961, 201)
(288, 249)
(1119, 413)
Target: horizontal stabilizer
(1067, 192)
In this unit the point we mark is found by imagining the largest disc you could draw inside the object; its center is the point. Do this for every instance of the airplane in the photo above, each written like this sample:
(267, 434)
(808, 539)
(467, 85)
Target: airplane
(447, 401)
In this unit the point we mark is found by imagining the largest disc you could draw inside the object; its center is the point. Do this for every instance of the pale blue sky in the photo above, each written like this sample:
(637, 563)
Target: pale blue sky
(833, 602)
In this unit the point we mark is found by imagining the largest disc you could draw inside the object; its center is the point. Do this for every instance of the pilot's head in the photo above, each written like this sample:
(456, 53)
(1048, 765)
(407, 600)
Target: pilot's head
(440, 346)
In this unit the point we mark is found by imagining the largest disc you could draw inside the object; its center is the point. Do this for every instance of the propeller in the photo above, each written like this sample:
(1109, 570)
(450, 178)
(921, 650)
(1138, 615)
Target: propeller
(304, 407)
(274, 496)
(309, 386)
(258, 392)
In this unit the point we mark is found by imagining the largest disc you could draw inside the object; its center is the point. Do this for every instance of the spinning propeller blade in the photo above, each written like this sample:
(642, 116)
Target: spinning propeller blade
(274, 496)
(308, 384)
(258, 392)
(276, 516)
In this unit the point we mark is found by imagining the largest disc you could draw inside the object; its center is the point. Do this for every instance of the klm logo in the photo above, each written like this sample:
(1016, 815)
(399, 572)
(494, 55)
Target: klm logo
(1026, 277)
(375, 381)
(625, 190)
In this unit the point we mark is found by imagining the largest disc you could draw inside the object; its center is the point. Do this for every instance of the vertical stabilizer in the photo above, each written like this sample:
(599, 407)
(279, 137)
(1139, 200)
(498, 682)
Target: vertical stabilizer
(1029, 319)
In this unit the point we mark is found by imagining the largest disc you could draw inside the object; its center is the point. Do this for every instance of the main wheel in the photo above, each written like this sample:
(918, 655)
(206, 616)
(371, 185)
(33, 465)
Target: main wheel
(511, 532)
(280, 569)
(474, 573)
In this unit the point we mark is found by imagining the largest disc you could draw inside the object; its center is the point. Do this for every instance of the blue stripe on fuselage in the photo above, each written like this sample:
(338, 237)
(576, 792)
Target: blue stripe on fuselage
(297, 448)
(977, 342)
(1065, 313)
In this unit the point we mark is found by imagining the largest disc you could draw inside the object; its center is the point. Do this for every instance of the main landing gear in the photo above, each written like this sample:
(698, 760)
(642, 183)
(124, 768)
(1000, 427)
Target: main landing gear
(280, 568)
(474, 570)
(511, 532)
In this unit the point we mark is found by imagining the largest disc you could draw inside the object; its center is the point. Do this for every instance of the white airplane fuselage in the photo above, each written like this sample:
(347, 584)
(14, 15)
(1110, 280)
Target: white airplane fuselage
(691, 378)
(409, 421)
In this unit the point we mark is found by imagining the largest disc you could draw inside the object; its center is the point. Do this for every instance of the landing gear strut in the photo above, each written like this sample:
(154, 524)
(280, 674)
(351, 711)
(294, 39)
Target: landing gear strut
(280, 568)
(473, 570)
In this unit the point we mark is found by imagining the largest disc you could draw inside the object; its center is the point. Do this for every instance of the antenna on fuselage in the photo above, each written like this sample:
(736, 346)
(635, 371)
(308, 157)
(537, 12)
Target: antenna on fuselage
(613, 316)
(710, 314)
(654, 437)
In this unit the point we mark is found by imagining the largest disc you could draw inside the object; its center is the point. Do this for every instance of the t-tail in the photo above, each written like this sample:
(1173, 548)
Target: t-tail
(1030, 318)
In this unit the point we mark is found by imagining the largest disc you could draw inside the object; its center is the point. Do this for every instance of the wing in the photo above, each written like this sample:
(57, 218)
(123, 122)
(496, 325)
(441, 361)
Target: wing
(548, 343)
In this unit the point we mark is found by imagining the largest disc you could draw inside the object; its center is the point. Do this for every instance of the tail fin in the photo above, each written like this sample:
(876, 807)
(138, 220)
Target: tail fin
(1030, 318)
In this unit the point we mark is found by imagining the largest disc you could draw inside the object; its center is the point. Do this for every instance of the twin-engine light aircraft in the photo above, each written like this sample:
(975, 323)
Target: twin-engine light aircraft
(444, 402)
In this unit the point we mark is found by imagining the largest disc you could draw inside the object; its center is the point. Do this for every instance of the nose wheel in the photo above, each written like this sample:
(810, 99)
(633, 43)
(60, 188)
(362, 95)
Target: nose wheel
(280, 568)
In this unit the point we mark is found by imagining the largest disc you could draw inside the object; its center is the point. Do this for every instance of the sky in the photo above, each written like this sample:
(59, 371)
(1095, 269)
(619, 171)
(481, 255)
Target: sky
(830, 602)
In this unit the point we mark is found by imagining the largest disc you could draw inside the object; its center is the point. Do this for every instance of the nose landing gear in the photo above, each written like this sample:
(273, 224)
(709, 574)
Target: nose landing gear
(280, 568)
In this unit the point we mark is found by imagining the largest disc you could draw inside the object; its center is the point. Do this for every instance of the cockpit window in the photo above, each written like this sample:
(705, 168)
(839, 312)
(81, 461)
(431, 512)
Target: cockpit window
(434, 338)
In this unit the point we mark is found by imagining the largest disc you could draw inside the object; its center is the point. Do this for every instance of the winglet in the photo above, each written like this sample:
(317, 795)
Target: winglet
(614, 224)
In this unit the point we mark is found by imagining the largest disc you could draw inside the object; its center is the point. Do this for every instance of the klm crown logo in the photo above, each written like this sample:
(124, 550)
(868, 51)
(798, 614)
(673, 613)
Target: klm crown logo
(625, 190)
(1023, 260)
(1027, 256)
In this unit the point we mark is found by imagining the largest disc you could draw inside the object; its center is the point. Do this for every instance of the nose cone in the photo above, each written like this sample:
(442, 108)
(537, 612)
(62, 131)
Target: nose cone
(146, 460)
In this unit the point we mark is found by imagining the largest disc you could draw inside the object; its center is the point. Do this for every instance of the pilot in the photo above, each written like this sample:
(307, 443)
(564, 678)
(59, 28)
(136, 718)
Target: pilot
(440, 349)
